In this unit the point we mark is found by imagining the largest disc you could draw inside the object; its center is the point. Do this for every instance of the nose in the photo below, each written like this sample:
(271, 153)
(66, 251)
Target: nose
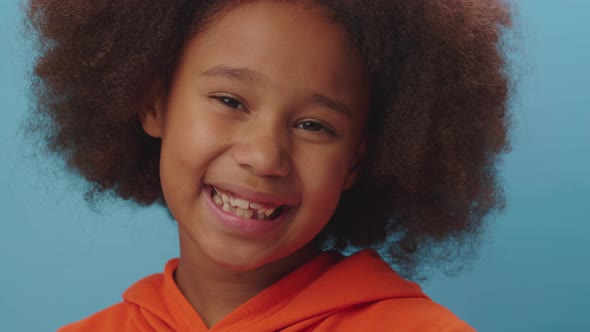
(262, 149)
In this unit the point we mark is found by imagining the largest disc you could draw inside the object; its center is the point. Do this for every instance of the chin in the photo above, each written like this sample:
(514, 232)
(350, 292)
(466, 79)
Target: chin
(240, 261)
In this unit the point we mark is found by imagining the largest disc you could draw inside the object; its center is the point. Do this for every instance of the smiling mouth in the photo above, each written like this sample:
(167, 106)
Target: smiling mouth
(243, 208)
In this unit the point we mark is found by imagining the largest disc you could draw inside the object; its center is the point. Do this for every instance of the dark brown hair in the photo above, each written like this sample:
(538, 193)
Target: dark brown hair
(437, 126)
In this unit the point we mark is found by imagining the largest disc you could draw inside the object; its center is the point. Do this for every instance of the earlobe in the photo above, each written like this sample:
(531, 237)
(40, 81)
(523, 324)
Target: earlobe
(152, 110)
(350, 178)
(355, 167)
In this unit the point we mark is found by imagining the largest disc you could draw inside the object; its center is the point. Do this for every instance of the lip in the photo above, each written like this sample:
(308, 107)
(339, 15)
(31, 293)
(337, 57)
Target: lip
(250, 228)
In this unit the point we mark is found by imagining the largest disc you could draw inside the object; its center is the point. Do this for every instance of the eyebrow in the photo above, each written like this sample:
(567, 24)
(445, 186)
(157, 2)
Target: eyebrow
(233, 73)
(332, 104)
(246, 74)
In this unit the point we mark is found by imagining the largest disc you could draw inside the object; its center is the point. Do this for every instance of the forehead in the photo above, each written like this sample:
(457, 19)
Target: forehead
(288, 43)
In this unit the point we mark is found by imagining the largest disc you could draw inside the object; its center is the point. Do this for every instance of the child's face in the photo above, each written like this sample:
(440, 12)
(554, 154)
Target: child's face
(268, 105)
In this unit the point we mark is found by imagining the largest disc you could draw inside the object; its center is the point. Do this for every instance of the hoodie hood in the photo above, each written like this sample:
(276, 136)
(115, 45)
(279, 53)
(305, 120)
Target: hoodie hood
(322, 287)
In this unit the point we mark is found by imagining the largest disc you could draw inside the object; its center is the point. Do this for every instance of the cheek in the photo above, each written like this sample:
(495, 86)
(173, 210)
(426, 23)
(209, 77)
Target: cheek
(193, 131)
(323, 178)
(191, 142)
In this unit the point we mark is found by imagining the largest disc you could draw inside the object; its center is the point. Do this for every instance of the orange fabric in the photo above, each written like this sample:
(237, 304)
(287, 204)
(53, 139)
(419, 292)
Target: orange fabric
(328, 293)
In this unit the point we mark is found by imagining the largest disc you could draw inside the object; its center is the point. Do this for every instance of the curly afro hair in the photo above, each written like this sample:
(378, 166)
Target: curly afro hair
(437, 126)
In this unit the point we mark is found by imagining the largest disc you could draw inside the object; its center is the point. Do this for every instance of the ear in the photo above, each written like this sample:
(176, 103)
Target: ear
(355, 167)
(153, 105)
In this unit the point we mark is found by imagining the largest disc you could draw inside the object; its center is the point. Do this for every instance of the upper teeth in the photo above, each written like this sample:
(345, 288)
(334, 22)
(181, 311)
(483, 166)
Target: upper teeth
(240, 206)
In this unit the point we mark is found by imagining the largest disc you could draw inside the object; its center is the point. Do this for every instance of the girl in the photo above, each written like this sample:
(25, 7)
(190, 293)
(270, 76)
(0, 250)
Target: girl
(274, 131)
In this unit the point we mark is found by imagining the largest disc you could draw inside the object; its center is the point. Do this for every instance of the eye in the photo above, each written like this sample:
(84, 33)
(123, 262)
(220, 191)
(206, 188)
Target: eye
(315, 126)
(229, 101)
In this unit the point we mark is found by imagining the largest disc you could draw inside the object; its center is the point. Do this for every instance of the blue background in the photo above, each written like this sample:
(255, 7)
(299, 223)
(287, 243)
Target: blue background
(60, 260)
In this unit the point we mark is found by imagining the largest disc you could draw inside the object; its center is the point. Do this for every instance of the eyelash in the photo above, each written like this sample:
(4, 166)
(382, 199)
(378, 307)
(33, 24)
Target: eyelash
(324, 128)
(226, 100)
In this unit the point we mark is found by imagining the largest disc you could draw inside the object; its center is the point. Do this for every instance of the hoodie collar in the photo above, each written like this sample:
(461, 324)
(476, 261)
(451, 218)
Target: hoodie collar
(325, 284)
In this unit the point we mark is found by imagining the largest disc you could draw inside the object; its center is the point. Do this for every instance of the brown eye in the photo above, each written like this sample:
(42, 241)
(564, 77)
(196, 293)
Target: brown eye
(229, 102)
(315, 127)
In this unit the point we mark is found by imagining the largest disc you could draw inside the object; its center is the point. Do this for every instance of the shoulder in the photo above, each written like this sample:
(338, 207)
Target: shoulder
(114, 318)
(379, 299)
(142, 302)
(403, 314)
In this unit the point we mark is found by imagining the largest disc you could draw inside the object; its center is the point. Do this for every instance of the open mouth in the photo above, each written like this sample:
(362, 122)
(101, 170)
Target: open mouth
(243, 208)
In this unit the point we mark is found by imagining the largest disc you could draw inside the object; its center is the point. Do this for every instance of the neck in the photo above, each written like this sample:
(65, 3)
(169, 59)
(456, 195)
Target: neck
(215, 291)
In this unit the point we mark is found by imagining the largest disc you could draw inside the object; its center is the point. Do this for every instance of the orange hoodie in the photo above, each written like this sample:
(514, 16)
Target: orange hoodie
(328, 293)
